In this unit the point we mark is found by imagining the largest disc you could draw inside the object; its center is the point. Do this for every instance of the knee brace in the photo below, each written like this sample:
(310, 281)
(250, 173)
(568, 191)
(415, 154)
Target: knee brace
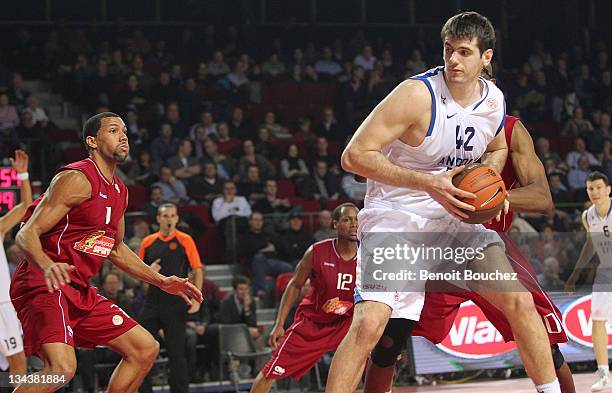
(557, 356)
(392, 342)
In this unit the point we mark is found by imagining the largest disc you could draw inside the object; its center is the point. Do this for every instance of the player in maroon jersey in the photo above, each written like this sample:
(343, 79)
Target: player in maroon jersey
(525, 178)
(68, 233)
(324, 315)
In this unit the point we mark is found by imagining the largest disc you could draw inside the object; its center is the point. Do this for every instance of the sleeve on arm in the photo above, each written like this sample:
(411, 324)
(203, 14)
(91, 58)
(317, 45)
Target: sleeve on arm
(191, 250)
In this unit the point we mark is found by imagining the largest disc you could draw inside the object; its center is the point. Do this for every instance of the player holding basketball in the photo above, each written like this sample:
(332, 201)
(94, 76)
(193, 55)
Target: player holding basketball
(11, 343)
(324, 315)
(441, 308)
(67, 234)
(597, 221)
(404, 148)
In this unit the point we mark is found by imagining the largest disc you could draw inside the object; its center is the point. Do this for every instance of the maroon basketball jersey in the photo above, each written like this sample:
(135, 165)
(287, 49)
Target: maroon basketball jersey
(86, 235)
(508, 176)
(332, 285)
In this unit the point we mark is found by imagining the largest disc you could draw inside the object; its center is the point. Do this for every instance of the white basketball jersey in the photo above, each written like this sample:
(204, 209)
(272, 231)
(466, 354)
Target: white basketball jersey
(456, 136)
(5, 277)
(600, 228)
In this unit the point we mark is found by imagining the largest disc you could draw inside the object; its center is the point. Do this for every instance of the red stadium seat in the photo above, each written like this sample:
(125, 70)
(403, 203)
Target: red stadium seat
(200, 211)
(282, 281)
(137, 197)
(286, 189)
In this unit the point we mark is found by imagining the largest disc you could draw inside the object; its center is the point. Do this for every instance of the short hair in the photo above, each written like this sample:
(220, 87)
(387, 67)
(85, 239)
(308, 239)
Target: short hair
(593, 176)
(110, 274)
(337, 213)
(93, 124)
(470, 24)
(166, 205)
(240, 279)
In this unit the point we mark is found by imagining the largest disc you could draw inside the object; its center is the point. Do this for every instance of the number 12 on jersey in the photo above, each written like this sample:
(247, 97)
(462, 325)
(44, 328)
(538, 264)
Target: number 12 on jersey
(344, 280)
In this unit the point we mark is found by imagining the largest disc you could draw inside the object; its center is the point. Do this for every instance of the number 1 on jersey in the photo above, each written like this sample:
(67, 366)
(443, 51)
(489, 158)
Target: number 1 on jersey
(108, 214)
(344, 280)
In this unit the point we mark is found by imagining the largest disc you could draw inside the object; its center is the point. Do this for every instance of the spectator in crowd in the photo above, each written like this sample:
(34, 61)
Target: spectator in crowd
(239, 307)
(217, 67)
(322, 153)
(327, 66)
(544, 152)
(191, 100)
(577, 125)
(264, 144)
(276, 130)
(206, 187)
(600, 134)
(117, 67)
(352, 188)
(230, 204)
(173, 189)
(251, 185)
(174, 118)
(110, 290)
(100, 84)
(325, 230)
(585, 85)
(305, 136)
(415, 64)
(165, 145)
(145, 81)
(225, 165)
(164, 92)
(353, 95)
(156, 199)
(273, 67)
(183, 165)
(322, 185)
(238, 78)
(226, 143)
(293, 167)
(17, 93)
(143, 171)
(577, 176)
(239, 128)
(134, 97)
(365, 59)
(558, 190)
(266, 169)
(8, 116)
(259, 250)
(293, 243)
(141, 230)
(329, 127)
(271, 203)
(138, 134)
(38, 114)
(549, 278)
(580, 151)
(207, 122)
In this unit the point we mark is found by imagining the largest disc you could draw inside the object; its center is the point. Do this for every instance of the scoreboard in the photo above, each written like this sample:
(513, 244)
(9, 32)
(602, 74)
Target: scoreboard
(9, 188)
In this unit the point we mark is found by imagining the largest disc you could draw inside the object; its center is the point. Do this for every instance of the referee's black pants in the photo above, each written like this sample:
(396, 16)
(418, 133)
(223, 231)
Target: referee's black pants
(171, 318)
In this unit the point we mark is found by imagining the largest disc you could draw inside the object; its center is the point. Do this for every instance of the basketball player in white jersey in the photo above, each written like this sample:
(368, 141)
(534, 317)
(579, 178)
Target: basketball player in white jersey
(597, 221)
(11, 343)
(409, 148)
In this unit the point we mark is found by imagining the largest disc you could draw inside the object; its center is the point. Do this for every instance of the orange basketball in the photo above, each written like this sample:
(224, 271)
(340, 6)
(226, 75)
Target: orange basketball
(489, 188)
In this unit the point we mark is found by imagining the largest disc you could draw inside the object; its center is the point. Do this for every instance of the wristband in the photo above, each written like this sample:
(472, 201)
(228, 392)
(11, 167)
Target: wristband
(23, 176)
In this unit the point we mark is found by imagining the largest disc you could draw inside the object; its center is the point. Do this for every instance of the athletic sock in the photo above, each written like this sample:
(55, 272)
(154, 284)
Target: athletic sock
(604, 369)
(551, 387)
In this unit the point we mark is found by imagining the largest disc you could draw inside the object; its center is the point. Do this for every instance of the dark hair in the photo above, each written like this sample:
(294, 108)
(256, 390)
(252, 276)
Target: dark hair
(93, 124)
(469, 25)
(240, 279)
(337, 213)
(165, 205)
(598, 176)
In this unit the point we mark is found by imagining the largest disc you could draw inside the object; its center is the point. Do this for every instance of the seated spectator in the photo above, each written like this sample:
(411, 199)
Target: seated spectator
(239, 307)
(173, 189)
(226, 144)
(226, 169)
(38, 114)
(165, 145)
(141, 230)
(322, 185)
(251, 185)
(600, 134)
(110, 290)
(329, 127)
(143, 171)
(415, 64)
(135, 97)
(558, 190)
(17, 93)
(156, 199)
(276, 130)
(310, 75)
(238, 78)
(230, 204)
(217, 67)
(145, 81)
(174, 118)
(325, 230)
(321, 153)
(293, 243)
(293, 167)
(259, 250)
(205, 187)
(576, 177)
(266, 169)
(207, 122)
(239, 127)
(544, 152)
(137, 133)
(327, 65)
(8, 116)
(117, 67)
(183, 165)
(305, 136)
(549, 278)
(551, 168)
(190, 100)
(264, 143)
(352, 188)
(164, 92)
(273, 67)
(296, 73)
(365, 59)
(577, 125)
(271, 203)
(580, 150)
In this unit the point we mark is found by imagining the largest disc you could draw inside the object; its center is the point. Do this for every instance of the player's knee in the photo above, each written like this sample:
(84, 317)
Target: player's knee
(518, 303)
(64, 366)
(367, 331)
(150, 354)
(392, 342)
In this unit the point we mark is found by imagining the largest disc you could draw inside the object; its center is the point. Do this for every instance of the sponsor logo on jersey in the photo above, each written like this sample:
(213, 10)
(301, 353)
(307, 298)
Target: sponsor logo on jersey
(329, 264)
(336, 306)
(96, 244)
(449, 116)
(473, 336)
(492, 103)
(103, 195)
(578, 323)
(117, 320)
(455, 161)
(173, 246)
(69, 330)
(278, 370)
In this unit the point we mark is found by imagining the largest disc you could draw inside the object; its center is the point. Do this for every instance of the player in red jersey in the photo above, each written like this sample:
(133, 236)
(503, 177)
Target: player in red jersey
(68, 233)
(324, 315)
(525, 178)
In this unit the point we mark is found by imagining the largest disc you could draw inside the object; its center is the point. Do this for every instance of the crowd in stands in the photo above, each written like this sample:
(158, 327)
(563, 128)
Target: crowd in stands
(253, 137)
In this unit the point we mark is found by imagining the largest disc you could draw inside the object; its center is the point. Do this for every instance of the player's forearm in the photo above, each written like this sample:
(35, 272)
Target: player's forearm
(287, 301)
(373, 165)
(29, 243)
(198, 278)
(126, 260)
(586, 255)
(25, 193)
(496, 159)
(531, 199)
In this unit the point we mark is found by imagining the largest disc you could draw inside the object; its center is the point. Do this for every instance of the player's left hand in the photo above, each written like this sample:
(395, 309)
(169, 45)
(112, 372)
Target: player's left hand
(195, 307)
(20, 162)
(183, 288)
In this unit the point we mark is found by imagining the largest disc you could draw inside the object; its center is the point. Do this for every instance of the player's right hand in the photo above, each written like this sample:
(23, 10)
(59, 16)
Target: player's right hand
(441, 189)
(276, 334)
(57, 275)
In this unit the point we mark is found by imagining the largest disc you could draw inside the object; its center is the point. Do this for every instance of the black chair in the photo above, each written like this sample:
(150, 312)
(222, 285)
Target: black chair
(235, 345)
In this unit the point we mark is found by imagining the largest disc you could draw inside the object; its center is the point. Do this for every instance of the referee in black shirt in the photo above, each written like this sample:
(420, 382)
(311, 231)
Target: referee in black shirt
(176, 254)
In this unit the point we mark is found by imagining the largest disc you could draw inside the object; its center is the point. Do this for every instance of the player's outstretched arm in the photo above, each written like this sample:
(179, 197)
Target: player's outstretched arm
(401, 112)
(302, 272)
(533, 196)
(126, 260)
(497, 152)
(12, 218)
(586, 255)
(68, 189)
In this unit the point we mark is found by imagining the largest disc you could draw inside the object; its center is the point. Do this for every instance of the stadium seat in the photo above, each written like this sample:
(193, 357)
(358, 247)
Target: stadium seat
(282, 280)
(137, 197)
(286, 189)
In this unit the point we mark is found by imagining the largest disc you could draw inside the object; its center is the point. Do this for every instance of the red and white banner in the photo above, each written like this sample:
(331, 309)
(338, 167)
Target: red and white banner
(578, 323)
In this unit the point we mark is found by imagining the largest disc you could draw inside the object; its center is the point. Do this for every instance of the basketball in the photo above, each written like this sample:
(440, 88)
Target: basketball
(489, 188)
